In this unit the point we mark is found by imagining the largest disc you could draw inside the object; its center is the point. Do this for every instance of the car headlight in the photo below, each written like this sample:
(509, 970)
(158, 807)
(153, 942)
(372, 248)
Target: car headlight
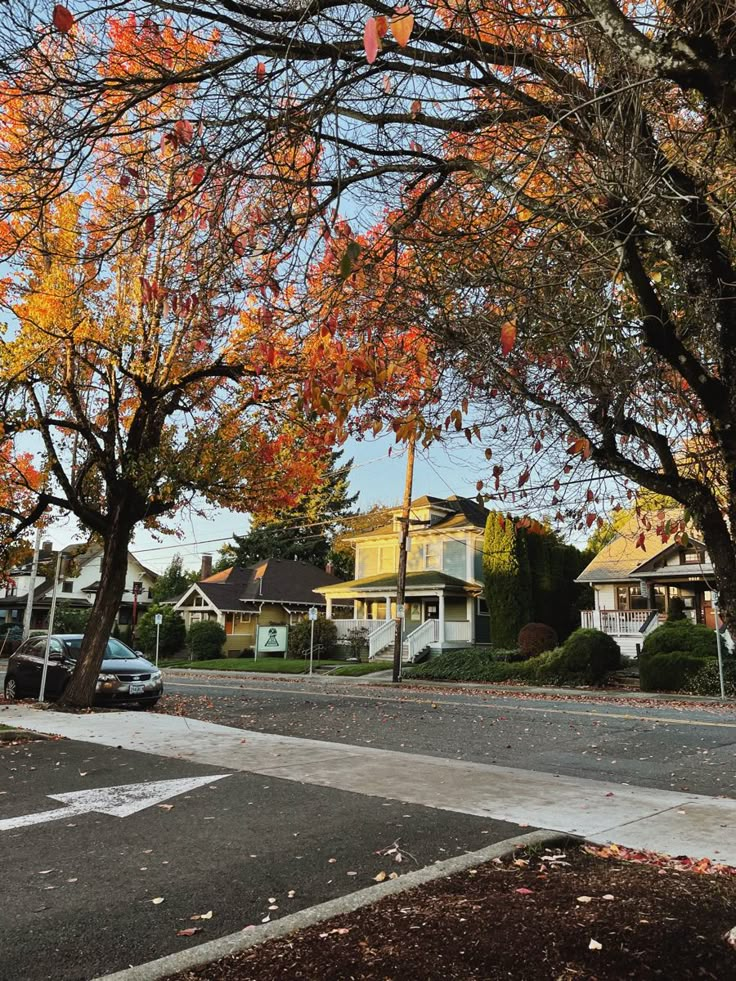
(106, 678)
(155, 676)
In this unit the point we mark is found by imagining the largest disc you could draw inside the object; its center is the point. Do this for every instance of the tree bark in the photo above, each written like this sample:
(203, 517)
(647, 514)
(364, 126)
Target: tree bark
(80, 692)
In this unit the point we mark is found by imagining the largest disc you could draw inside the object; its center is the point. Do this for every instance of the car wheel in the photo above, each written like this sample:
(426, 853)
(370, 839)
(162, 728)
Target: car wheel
(11, 690)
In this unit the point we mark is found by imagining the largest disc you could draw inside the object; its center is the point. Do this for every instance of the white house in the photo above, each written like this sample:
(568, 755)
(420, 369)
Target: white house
(633, 587)
(76, 589)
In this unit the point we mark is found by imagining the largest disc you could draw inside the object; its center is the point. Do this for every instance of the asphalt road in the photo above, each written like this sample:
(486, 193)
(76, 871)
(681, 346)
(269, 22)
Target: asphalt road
(664, 746)
(78, 893)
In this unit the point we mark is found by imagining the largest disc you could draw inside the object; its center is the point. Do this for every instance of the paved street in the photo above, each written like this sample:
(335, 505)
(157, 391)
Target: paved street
(78, 893)
(670, 747)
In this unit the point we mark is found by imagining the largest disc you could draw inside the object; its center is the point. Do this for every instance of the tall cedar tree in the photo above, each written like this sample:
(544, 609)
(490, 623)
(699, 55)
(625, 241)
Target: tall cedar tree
(506, 579)
(305, 532)
(173, 581)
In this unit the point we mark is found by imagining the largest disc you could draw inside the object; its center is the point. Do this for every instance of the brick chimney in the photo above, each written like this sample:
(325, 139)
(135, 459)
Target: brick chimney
(330, 568)
(47, 548)
(206, 570)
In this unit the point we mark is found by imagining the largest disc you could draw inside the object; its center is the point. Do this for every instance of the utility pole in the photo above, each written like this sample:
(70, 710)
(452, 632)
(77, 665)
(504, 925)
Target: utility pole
(403, 538)
(28, 614)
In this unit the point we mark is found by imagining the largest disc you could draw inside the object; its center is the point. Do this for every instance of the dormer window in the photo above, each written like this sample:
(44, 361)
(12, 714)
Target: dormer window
(692, 556)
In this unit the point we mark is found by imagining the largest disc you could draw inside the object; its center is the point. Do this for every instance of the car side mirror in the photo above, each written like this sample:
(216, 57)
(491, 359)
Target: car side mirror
(139, 653)
(56, 656)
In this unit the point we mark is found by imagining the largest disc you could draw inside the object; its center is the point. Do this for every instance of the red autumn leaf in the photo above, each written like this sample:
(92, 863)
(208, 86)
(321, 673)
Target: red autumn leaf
(581, 446)
(260, 72)
(508, 337)
(62, 19)
(416, 106)
(538, 446)
(124, 181)
(149, 224)
(523, 891)
(197, 174)
(401, 28)
(479, 485)
(589, 519)
(381, 26)
(488, 453)
(524, 478)
(239, 245)
(370, 40)
(183, 131)
(640, 542)
(188, 931)
(556, 486)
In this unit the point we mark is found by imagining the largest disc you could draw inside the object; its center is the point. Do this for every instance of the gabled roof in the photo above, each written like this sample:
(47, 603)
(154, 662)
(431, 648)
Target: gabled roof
(621, 559)
(270, 581)
(457, 512)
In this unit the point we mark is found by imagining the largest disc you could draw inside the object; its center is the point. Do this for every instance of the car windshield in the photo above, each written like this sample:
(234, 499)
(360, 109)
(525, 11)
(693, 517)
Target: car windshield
(115, 650)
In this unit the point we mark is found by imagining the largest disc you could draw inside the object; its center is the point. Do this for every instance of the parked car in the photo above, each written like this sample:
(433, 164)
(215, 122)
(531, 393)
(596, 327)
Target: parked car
(126, 677)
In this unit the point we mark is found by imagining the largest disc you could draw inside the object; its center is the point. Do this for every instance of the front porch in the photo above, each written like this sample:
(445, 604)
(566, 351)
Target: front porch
(439, 613)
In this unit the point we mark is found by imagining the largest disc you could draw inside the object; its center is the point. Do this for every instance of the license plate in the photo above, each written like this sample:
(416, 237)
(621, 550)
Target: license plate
(136, 689)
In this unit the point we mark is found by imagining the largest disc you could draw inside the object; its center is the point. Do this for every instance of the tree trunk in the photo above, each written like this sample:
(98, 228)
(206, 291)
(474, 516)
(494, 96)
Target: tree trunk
(80, 692)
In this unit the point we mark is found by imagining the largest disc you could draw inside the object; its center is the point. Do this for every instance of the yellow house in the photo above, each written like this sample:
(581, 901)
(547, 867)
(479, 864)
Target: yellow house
(270, 593)
(444, 607)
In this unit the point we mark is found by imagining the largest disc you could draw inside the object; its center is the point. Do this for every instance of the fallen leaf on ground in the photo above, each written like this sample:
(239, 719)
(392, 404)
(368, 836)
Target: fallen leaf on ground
(584, 899)
(523, 891)
(594, 945)
(46, 871)
(607, 896)
(158, 900)
(291, 893)
(188, 932)
(166, 807)
(380, 877)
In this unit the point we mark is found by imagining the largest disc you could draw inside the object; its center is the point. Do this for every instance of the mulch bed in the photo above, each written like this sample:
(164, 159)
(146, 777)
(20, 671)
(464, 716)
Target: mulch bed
(583, 913)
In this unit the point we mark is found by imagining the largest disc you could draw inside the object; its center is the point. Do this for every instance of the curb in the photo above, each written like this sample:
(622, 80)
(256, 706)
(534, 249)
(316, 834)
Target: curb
(235, 943)
(572, 694)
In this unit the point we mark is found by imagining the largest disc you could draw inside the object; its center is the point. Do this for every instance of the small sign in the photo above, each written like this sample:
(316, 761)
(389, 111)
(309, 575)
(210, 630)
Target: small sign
(714, 597)
(272, 640)
(400, 610)
(158, 619)
(312, 612)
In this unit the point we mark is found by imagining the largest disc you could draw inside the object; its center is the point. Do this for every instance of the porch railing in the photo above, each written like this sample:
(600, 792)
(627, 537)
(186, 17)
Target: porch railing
(345, 626)
(618, 621)
(381, 637)
(417, 640)
(457, 630)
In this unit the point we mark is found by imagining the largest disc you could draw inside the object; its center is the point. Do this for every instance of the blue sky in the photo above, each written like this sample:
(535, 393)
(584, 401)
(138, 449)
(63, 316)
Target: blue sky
(376, 476)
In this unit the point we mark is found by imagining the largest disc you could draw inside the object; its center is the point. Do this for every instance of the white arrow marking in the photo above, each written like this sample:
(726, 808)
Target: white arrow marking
(116, 801)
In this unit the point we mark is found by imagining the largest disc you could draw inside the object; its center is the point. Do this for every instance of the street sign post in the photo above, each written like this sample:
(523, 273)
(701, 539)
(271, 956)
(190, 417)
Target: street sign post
(714, 600)
(158, 619)
(312, 618)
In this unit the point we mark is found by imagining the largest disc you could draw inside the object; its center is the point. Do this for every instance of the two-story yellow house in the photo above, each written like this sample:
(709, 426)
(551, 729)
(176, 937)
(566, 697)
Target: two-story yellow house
(444, 606)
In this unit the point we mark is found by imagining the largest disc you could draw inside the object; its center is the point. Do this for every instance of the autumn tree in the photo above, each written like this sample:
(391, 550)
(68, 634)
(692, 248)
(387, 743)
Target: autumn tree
(558, 177)
(173, 581)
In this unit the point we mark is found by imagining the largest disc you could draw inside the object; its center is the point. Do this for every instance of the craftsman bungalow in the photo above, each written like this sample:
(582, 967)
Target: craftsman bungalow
(270, 593)
(633, 587)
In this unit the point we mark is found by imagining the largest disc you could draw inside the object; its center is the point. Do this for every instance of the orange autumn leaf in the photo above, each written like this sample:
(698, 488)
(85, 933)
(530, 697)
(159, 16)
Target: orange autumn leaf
(260, 72)
(508, 337)
(401, 28)
(62, 19)
(381, 26)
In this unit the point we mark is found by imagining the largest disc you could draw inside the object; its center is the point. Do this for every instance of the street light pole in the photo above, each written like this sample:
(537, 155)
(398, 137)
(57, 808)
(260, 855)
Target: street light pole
(714, 596)
(52, 613)
(403, 538)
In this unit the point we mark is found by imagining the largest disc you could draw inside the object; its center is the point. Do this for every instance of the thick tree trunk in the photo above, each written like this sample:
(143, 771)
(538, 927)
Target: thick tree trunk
(721, 548)
(80, 692)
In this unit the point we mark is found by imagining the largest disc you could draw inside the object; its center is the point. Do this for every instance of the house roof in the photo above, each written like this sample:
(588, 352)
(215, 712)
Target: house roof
(458, 513)
(270, 581)
(620, 559)
(414, 580)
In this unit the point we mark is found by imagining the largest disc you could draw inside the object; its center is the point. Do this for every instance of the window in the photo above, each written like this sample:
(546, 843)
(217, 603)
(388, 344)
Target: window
(367, 564)
(415, 556)
(387, 558)
(478, 561)
(691, 556)
(245, 617)
(432, 555)
(67, 586)
(482, 606)
(453, 558)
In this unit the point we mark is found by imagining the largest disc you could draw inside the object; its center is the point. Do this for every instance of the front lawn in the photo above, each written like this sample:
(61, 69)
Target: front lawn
(274, 665)
(354, 670)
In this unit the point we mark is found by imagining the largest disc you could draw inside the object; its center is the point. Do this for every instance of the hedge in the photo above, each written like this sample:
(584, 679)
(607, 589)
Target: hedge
(678, 636)
(673, 671)
(206, 640)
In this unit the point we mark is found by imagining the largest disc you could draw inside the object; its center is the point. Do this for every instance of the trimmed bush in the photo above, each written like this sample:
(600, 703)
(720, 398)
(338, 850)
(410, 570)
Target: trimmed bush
(469, 665)
(680, 636)
(673, 671)
(206, 640)
(535, 638)
(707, 680)
(591, 654)
(325, 638)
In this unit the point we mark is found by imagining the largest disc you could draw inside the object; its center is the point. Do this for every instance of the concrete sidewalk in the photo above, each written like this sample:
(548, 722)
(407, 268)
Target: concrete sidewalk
(637, 817)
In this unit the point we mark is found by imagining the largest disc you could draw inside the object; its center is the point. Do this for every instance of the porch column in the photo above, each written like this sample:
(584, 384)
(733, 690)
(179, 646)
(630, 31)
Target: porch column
(328, 607)
(388, 607)
(470, 614)
(442, 617)
(355, 609)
